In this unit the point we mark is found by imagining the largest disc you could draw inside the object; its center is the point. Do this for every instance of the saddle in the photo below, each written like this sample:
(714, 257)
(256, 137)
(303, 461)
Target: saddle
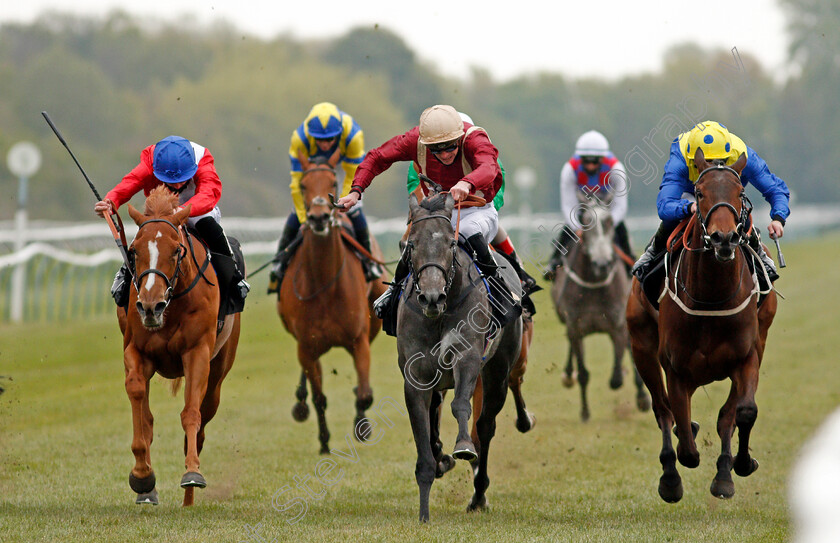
(653, 283)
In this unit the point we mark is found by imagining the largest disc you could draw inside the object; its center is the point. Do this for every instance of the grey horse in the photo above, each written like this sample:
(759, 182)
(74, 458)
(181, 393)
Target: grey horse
(443, 323)
(590, 296)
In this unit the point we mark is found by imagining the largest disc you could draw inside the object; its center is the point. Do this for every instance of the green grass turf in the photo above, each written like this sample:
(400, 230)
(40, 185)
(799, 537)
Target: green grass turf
(65, 433)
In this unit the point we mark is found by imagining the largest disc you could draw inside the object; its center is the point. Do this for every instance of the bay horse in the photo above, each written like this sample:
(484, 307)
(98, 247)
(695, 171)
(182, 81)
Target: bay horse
(325, 302)
(590, 296)
(169, 328)
(708, 328)
(446, 337)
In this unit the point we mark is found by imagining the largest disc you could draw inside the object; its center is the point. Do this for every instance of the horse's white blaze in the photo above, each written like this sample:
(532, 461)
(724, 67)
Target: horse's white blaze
(437, 235)
(153, 258)
(600, 248)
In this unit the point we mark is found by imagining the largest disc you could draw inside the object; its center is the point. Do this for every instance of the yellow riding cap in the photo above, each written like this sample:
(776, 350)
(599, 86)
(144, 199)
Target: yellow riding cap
(717, 144)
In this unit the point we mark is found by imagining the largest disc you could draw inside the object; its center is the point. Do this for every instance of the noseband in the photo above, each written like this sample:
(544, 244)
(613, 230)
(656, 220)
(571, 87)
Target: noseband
(170, 283)
(742, 217)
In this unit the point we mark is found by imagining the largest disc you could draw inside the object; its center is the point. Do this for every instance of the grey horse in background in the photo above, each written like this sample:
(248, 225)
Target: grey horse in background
(443, 322)
(590, 296)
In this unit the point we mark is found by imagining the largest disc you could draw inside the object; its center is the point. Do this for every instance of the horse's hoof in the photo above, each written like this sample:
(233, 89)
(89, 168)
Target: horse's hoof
(527, 423)
(569, 380)
(325, 449)
(669, 492)
(445, 465)
(616, 381)
(584, 415)
(300, 411)
(477, 504)
(362, 428)
(142, 486)
(149, 498)
(465, 450)
(643, 402)
(193, 478)
(722, 489)
(743, 469)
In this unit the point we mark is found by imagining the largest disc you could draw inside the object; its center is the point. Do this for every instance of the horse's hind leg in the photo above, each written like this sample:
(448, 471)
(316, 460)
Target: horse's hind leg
(525, 420)
(495, 391)
(141, 479)
(364, 394)
(679, 395)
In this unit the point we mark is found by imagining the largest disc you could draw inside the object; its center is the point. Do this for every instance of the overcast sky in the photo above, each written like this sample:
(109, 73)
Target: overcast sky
(583, 38)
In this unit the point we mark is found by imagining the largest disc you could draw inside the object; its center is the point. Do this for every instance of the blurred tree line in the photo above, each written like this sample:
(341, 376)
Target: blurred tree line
(117, 84)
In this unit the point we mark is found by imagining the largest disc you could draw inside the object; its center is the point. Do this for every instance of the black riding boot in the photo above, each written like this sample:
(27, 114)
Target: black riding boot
(228, 273)
(653, 252)
(384, 305)
(564, 240)
(769, 265)
(283, 255)
(622, 239)
(504, 305)
(372, 269)
(121, 288)
(529, 284)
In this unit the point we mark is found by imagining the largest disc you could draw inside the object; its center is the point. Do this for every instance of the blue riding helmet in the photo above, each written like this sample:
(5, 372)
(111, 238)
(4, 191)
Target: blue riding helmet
(174, 160)
(324, 121)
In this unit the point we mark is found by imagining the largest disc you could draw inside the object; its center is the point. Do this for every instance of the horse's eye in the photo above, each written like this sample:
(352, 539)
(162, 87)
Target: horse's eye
(699, 195)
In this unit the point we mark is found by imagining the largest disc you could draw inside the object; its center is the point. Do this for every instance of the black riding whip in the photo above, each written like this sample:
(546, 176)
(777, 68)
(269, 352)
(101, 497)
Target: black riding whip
(116, 226)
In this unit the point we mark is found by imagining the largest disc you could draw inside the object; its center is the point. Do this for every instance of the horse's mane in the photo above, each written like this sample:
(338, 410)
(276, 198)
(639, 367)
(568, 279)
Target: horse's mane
(434, 203)
(320, 161)
(161, 202)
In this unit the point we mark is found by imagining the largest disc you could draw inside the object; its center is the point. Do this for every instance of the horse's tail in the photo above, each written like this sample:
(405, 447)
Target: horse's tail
(175, 385)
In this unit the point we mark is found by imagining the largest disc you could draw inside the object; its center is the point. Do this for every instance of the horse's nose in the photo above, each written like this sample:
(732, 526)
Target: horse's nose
(727, 239)
(150, 310)
(431, 299)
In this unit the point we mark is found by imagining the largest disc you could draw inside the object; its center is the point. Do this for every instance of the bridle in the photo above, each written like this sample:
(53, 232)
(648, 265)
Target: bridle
(742, 217)
(171, 282)
(448, 273)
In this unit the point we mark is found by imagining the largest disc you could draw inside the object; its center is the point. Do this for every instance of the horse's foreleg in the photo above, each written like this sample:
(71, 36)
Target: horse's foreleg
(746, 412)
(722, 485)
(418, 403)
(477, 406)
(576, 351)
(619, 341)
(495, 391)
(679, 396)
(444, 462)
(465, 374)
(196, 374)
(312, 368)
(141, 479)
(364, 394)
(525, 420)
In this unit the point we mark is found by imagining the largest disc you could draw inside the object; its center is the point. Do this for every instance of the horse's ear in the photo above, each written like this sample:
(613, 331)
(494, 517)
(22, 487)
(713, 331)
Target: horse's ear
(449, 204)
(304, 160)
(413, 206)
(333, 160)
(135, 215)
(740, 164)
(182, 215)
(700, 160)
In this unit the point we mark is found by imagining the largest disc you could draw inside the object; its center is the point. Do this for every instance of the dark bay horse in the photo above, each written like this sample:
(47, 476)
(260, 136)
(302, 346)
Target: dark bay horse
(325, 301)
(170, 329)
(708, 328)
(590, 296)
(443, 322)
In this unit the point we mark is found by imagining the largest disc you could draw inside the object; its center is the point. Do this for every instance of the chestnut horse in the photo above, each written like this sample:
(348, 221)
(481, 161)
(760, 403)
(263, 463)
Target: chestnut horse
(172, 332)
(325, 301)
(708, 328)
